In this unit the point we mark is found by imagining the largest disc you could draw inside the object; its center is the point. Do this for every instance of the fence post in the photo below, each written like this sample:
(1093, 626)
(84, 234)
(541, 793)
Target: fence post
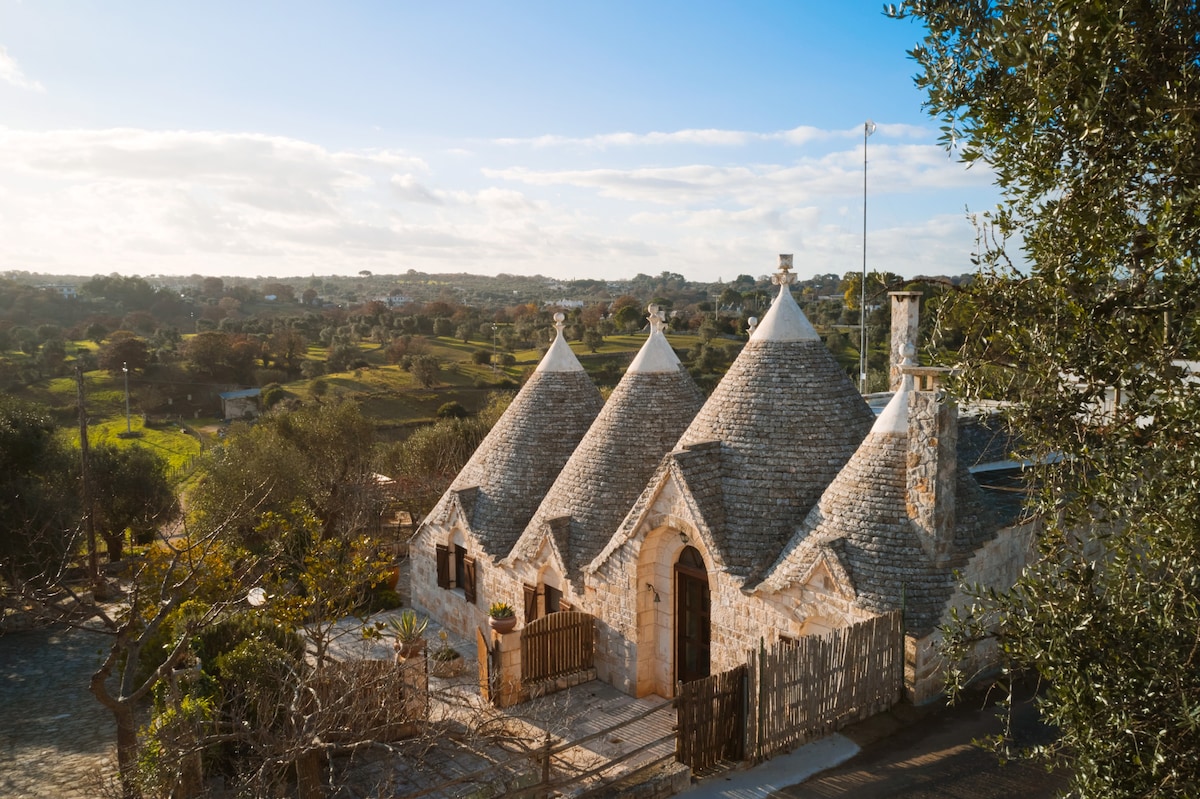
(761, 698)
(546, 765)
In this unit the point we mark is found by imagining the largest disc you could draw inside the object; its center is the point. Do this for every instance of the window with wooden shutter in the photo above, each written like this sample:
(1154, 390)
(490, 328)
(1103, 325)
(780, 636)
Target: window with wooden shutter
(443, 565)
(469, 579)
(530, 602)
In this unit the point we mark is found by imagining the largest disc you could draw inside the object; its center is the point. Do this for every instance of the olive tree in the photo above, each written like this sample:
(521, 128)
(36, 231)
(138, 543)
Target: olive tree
(39, 493)
(1084, 316)
(318, 457)
(131, 493)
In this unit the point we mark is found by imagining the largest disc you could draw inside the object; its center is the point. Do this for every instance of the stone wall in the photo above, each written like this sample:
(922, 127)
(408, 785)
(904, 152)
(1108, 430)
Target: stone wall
(449, 606)
(635, 634)
(997, 564)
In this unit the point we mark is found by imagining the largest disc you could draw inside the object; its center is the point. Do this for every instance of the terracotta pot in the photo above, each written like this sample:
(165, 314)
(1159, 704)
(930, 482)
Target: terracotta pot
(504, 625)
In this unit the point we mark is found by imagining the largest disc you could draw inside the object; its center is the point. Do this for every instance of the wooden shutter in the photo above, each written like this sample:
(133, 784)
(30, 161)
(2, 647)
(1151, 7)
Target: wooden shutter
(553, 597)
(564, 606)
(460, 577)
(469, 579)
(443, 565)
(530, 602)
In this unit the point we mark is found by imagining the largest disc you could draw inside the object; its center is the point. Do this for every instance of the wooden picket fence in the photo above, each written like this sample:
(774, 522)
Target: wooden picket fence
(711, 718)
(557, 645)
(802, 690)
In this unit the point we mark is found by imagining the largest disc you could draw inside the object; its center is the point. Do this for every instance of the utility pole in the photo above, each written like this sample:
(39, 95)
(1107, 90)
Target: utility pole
(89, 522)
(128, 428)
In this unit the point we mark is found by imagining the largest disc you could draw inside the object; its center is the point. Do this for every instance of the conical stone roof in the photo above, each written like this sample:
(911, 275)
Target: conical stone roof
(787, 418)
(508, 475)
(643, 417)
(863, 519)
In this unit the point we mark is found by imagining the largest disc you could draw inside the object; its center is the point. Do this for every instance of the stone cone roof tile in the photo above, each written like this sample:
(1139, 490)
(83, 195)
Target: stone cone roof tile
(519, 459)
(640, 422)
(786, 419)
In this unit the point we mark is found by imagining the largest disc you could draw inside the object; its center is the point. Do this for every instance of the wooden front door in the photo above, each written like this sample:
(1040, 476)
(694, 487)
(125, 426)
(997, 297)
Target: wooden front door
(692, 632)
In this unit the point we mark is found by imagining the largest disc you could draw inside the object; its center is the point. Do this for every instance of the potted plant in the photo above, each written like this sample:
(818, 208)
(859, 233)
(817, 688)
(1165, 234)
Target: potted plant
(446, 661)
(501, 617)
(409, 630)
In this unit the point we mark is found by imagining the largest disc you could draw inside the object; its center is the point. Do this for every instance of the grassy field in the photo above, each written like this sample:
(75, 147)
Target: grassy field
(386, 393)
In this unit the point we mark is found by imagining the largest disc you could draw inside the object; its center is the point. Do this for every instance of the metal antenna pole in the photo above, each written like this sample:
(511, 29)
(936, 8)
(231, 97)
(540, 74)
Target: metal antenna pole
(868, 129)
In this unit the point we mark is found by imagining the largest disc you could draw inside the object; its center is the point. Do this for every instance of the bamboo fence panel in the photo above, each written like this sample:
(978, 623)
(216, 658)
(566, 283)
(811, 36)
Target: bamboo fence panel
(802, 690)
(711, 716)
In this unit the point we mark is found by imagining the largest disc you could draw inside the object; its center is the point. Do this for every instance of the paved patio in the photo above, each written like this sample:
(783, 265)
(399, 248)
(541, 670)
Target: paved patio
(517, 734)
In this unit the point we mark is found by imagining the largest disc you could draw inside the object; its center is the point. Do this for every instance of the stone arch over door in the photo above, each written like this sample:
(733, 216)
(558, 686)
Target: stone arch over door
(655, 608)
(692, 612)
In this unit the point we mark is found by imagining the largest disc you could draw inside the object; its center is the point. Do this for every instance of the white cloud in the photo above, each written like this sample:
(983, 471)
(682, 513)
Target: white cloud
(11, 73)
(181, 156)
(712, 137)
(894, 169)
(133, 200)
(409, 189)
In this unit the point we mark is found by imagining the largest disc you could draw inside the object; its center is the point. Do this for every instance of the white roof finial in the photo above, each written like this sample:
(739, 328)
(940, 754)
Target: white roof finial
(784, 321)
(784, 276)
(657, 318)
(656, 354)
(752, 325)
(559, 357)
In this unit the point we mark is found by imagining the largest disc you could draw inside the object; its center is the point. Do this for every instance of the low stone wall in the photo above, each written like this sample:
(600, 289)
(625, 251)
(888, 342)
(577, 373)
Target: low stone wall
(997, 565)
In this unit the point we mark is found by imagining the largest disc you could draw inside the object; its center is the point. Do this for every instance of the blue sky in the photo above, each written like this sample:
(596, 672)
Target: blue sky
(564, 138)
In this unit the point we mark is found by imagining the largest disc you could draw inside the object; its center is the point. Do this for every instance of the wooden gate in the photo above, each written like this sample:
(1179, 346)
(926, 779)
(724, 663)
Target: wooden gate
(802, 690)
(483, 655)
(711, 717)
(557, 645)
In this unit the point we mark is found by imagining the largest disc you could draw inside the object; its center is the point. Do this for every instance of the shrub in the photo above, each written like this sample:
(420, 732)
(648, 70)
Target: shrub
(272, 395)
(451, 410)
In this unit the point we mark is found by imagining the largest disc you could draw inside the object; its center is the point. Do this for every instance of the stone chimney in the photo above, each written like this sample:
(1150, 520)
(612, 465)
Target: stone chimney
(906, 315)
(932, 472)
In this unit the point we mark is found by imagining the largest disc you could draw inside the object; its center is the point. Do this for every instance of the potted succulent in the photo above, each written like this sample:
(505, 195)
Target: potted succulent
(409, 630)
(446, 661)
(501, 617)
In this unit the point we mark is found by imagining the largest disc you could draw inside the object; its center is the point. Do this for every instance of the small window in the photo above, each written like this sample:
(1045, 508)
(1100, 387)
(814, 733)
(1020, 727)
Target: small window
(553, 599)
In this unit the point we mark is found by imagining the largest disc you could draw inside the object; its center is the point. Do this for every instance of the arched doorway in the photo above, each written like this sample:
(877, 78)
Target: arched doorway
(692, 630)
